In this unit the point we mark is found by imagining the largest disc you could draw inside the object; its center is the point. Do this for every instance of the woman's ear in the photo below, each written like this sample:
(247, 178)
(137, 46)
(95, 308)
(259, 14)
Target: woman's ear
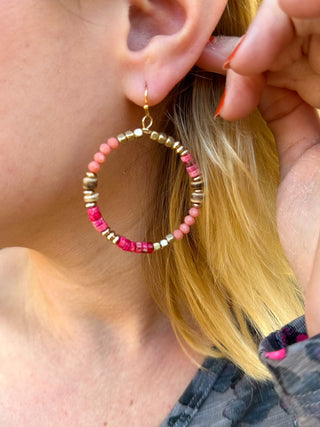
(164, 40)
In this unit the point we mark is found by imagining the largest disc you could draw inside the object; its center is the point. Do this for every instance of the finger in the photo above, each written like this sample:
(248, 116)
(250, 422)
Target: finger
(216, 53)
(242, 95)
(298, 77)
(301, 9)
(295, 124)
(268, 35)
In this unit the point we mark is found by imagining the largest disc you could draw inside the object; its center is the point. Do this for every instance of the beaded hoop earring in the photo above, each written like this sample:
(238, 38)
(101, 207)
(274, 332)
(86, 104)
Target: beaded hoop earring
(90, 183)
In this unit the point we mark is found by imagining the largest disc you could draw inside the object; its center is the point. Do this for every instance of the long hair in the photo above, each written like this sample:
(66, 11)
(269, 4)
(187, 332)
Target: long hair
(227, 284)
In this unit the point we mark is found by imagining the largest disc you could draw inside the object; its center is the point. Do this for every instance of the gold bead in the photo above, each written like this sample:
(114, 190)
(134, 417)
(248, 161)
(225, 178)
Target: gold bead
(89, 183)
(122, 138)
(91, 175)
(162, 138)
(196, 205)
(198, 185)
(91, 198)
(170, 238)
(156, 246)
(90, 205)
(184, 153)
(176, 145)
(154, 136)
(169, 142)
(130, 135)
(138, 133)
(197, 178)
(106, 232)
(180, 150)
(111, 235)
(164, 243)
(88, 192)
(115, 240)
(197, 198)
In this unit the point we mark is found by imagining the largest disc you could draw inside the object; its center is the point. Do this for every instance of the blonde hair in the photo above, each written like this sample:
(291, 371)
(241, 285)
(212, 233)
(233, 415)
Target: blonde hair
(228, 284)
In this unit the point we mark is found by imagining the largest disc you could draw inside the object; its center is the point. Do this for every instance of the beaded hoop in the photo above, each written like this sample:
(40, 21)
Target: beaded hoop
(90, 183)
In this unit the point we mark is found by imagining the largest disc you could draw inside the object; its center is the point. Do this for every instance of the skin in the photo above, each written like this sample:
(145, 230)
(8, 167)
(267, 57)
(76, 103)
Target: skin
(79, 308)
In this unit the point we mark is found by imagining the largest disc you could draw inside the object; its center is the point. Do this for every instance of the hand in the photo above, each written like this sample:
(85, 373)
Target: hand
(277, 67)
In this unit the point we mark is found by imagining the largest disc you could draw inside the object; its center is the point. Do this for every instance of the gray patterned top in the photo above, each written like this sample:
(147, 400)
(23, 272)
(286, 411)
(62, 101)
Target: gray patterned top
(220, 395)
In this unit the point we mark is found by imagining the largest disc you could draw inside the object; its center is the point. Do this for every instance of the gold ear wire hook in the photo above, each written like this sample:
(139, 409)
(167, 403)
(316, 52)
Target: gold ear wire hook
(147, 120)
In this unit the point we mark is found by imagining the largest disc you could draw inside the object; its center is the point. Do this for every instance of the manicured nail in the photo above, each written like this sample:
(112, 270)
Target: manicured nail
(211, 40)
(220, 106)
(227, 65)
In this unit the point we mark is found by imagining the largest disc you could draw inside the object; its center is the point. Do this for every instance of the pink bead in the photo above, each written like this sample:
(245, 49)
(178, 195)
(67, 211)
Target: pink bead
(189, 220)
(145, 247)
(138, 247)
(187, 158)
(113, 143)
(94, 213)
(194, 212)
(100, 225)
(193, 171)
(185, 228)
(178, 235)
(94, 167)
(105, 149)
(99, 158)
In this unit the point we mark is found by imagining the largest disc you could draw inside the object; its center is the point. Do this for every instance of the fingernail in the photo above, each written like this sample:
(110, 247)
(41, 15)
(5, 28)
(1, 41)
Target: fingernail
(211, 40)
(227, 65)
(220, 106)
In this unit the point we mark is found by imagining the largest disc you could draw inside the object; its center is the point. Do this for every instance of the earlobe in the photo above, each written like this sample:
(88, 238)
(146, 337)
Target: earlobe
(165, 39)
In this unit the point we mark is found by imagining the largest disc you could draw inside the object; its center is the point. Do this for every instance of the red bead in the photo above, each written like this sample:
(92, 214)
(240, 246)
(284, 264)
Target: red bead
(133, 247)
(127, 246)
(150, 248)
(121, 242)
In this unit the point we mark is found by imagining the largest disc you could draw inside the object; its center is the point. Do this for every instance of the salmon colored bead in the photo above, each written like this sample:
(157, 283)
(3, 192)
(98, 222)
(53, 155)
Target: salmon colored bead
(94, 167)
(99, 158)
(189, 220)
(185, 228)
(194, 212)
(178, 235)
(105, 149)
(113, 143)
